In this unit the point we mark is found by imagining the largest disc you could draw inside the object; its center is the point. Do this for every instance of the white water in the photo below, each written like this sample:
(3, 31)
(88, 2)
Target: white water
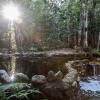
(94, 70)
(93, 85)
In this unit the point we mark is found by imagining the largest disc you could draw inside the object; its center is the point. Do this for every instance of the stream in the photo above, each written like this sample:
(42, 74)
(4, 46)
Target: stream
(90, 85)
(31, 65)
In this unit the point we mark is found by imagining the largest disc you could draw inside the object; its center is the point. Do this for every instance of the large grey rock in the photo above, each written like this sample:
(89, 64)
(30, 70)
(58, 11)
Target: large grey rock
(4, 77)
(20, 77)
(39, 79)
(51, 76)
(72, 74)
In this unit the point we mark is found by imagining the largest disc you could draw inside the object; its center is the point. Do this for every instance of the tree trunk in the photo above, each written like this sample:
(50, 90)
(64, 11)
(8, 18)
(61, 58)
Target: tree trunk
(98, 46)
(86, 24)
(83, 23)
(92, 25)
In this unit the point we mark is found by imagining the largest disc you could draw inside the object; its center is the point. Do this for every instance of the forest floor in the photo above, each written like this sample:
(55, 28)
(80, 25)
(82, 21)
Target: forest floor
(64, 51)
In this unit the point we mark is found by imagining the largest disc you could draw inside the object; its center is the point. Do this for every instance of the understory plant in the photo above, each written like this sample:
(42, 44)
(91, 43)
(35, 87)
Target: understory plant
(20, 91)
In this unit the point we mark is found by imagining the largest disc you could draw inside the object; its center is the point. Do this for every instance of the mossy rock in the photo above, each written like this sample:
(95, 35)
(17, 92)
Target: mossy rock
(21, 78)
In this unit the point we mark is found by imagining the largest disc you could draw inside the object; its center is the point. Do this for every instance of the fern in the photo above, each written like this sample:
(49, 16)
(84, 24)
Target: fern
(25, 93)
(20, 91)
(2, 95)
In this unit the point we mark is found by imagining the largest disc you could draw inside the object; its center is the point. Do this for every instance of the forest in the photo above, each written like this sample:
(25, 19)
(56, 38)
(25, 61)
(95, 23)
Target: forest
(49, 49)
(55, 24)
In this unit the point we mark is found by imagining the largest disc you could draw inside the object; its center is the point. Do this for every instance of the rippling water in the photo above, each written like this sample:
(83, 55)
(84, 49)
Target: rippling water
(90, 84)
(90, 88)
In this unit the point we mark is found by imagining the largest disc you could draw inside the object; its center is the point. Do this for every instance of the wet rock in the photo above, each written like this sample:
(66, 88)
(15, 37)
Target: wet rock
(72, 74)
(59, 75)
(74, 84)
(57, 88)
(4, 77)
(55, 91)
(51, 76)
(39, 79)
(20, 77)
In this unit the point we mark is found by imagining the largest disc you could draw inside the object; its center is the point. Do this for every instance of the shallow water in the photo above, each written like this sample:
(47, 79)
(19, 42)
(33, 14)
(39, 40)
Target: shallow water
(90, 88)
(91, 84)
(34, 64)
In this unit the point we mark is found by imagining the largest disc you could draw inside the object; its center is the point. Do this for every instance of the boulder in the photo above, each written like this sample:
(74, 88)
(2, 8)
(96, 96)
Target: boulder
(20, 77)
(4, 77)
(61, 87)
(72, 74)
(51, 76)
(55, 91)
(39, 79)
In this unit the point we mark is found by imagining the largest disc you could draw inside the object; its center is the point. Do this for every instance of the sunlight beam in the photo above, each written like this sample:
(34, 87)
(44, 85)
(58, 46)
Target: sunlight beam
(11, 12)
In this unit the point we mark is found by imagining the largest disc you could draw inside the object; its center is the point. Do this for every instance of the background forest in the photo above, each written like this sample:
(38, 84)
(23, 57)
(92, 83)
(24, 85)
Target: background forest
(54, 24)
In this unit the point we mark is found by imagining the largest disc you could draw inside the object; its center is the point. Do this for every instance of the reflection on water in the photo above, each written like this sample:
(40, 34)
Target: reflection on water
(13, 65)
(31, 65)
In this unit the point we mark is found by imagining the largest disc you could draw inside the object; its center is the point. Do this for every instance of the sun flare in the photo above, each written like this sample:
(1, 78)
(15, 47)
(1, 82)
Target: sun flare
(11, 12)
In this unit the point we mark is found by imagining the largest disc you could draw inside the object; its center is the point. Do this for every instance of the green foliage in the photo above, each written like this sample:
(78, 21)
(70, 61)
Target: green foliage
(2, 95)
(23, 94)
(20, 91)
(96, 51)
(58, 20)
